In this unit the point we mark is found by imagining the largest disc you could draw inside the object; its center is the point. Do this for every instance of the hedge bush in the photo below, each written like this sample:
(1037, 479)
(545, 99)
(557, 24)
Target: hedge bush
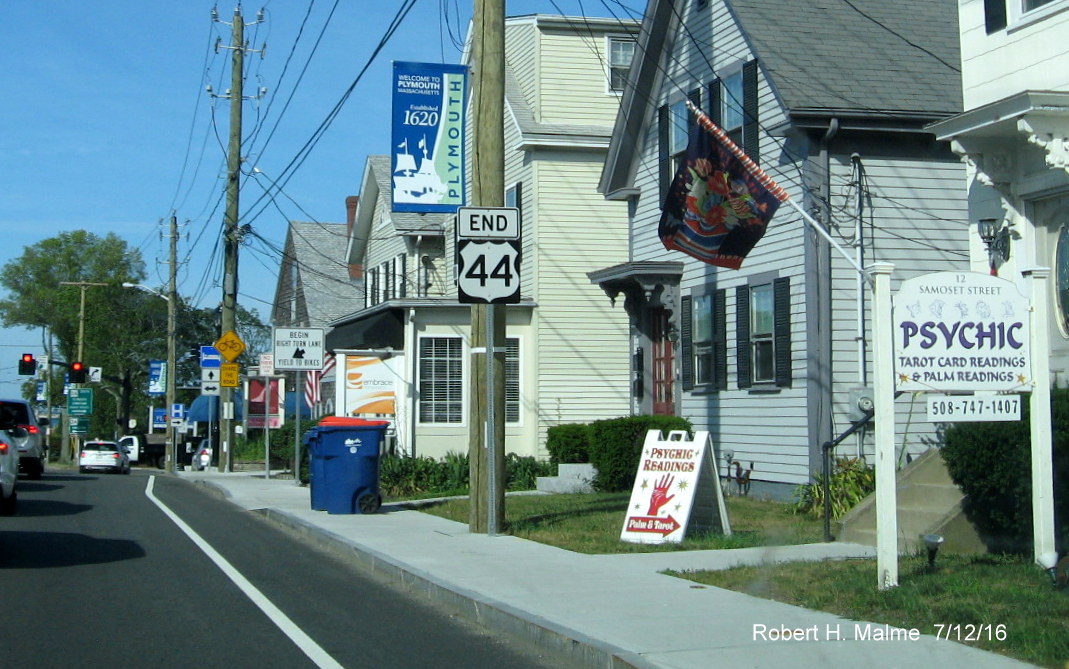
(568, 443)
(616, 446)
(991, 463)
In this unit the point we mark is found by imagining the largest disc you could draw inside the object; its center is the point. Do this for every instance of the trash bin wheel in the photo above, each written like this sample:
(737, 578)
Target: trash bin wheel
(369, 502)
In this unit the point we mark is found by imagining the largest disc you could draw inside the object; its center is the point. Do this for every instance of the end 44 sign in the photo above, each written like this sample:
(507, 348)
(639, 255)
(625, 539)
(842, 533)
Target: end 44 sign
(488, 255)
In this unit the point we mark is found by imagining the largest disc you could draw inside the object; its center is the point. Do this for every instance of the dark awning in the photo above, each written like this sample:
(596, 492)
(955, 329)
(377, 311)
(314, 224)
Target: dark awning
(379, 330)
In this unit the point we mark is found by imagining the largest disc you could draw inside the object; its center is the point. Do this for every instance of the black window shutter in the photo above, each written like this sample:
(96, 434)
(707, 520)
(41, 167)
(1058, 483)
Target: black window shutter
(402, 289)
(720, 339)
(750, 141)
(994, 15)
(519, 199)
(781, 332)
(742, 336)
(686, 343)
(714, 102)
(663, 150)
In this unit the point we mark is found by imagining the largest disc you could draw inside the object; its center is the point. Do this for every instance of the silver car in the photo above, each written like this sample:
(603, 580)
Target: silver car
(9, 468)
(29, 441)
(103, 455)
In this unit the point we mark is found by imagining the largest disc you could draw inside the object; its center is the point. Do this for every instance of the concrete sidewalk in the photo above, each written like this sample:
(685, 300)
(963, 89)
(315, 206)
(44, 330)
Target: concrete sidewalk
(602, 610)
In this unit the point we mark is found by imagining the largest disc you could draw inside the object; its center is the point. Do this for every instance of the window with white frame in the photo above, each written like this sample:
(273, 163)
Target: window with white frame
(731, 110)
(763, 333)
(441, 380)
(761, 341)
(621, 52)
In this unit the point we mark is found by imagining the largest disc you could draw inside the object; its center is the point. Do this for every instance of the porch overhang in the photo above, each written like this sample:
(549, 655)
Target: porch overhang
(381, 328)
(643, 283)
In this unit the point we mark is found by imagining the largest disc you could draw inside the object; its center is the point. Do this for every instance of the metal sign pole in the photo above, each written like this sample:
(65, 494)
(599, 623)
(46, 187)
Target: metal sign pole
(491, 444)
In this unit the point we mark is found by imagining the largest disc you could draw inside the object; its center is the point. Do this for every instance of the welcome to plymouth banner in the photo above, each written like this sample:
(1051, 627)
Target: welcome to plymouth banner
(427, 159)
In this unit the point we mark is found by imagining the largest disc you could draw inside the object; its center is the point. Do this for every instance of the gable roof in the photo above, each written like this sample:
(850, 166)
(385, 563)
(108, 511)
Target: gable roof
(848, 58)
(318, 249)
(858, 56)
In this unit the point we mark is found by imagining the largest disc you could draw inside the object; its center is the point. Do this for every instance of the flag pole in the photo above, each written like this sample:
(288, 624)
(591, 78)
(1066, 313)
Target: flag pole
(813, 223)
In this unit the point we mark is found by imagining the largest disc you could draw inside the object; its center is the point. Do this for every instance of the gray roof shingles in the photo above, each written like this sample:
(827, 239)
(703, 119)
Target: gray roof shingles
(858, 55)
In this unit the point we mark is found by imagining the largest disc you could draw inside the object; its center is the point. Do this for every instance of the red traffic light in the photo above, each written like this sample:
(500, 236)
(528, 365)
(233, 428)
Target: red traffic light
(27, 365)
(77, 374)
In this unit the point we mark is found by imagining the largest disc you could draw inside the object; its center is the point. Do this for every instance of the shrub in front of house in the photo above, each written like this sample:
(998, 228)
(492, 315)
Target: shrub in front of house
(568, 443)
(616, 446)
(992, 464)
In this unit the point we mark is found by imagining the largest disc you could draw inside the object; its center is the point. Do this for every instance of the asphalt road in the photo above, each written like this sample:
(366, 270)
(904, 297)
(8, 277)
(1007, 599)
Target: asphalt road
(93, 573)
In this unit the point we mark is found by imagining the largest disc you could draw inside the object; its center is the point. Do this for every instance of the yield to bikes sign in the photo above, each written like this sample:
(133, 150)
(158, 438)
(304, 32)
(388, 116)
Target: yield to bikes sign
(676, 486)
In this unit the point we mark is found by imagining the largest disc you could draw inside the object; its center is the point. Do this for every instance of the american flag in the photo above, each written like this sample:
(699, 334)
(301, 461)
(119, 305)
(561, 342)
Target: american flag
(313, 382)
(720, 201)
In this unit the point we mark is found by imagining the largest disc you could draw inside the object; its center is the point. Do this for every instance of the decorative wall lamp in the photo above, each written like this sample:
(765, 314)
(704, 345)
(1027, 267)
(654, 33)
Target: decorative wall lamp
(996, 237)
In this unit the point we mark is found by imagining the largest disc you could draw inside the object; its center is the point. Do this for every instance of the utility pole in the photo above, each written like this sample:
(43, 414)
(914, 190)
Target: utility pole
(486, 440)
(81, 330)
(170, 456)
(231, 232)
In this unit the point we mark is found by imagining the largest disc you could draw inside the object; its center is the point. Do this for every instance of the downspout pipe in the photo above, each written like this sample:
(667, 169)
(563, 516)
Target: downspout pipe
(824, 414)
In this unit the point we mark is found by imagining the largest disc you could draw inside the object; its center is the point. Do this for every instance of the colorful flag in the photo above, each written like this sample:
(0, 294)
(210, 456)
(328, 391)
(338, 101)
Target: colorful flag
(313, 382)
(720, 201)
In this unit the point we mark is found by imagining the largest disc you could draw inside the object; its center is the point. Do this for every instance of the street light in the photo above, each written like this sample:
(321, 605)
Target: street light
(171, 298)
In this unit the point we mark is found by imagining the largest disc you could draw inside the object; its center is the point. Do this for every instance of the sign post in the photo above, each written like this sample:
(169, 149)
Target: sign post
(488, 271)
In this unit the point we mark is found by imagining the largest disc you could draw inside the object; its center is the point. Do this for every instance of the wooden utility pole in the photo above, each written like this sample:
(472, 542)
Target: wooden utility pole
(231, 232)
(172, 373)
(486, 441)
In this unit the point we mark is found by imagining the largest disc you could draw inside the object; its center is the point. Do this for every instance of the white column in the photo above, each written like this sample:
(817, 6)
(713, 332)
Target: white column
(1042, 467)
(884, 396)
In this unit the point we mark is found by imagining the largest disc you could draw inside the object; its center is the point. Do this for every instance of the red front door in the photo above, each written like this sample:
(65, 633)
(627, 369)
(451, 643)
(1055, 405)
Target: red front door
(663, 364)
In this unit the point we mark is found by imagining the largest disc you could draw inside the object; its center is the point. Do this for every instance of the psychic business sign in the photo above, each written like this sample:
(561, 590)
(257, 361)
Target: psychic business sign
(961, 332)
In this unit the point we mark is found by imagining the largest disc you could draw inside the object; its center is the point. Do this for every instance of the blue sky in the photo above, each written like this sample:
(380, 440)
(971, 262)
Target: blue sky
(107, 126)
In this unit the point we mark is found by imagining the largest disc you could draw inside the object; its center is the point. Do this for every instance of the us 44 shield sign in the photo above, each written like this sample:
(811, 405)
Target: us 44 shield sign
(488, 271)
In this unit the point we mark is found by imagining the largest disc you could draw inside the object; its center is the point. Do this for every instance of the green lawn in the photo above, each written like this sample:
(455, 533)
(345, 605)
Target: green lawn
(592, 523)
(1008, 601)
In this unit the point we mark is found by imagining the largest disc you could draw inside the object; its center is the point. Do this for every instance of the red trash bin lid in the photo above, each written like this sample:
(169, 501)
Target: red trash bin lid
(352, 422)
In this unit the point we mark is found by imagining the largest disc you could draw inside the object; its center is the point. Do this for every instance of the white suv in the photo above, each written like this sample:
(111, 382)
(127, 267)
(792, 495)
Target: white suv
(29, 440)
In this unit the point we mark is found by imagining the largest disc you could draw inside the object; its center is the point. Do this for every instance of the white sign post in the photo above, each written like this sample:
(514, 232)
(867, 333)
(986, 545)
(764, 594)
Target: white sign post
(676, 486)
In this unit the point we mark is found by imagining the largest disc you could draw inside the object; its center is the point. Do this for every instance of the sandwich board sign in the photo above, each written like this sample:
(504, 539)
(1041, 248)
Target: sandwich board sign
(676, 488)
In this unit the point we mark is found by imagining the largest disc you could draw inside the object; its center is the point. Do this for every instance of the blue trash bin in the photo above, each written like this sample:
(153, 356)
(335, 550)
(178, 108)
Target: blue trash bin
(317, 488)
(348, 452)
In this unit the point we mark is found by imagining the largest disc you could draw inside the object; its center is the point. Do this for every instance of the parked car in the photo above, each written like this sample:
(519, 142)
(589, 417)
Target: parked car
(202, 457)
(103, 455)
(9, 468)
(30, 443)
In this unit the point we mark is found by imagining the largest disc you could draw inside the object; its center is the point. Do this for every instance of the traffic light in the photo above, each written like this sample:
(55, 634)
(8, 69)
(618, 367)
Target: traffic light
(27, 365)
(77, 372)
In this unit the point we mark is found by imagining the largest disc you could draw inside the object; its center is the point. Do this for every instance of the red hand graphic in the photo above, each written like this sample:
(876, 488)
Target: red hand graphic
(660, 495)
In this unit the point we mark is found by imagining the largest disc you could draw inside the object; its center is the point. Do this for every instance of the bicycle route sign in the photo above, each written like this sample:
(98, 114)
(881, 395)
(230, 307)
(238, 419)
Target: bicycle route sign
(230, 346)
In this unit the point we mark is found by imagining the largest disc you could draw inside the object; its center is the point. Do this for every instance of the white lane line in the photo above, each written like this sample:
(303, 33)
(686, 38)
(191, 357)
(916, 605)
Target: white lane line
(280, 619)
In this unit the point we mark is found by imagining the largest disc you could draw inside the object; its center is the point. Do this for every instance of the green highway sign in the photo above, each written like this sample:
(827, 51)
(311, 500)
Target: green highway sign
(80, 402)
(79, 424)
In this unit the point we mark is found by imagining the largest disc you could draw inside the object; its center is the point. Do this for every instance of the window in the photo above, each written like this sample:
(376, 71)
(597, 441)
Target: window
(621, 53)
(674, 122)
(441, 380)
(512, 380)
(763, 325)
(733, 107)
(731, 114)
(703, 341)
(1029, 5)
